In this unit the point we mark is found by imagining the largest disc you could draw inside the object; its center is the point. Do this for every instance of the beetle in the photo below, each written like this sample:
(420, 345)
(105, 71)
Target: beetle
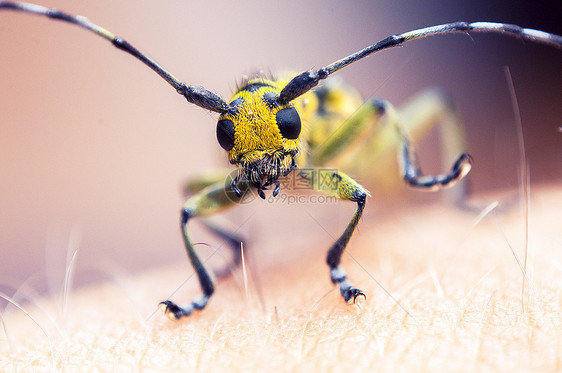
(286, 125)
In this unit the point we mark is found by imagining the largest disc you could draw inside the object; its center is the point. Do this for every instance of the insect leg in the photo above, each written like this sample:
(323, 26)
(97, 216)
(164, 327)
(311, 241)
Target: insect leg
(426, 110)
(210, 200)
(410, 169)
(233, 241)
(202, 181)
(340, 185)
(345, 134)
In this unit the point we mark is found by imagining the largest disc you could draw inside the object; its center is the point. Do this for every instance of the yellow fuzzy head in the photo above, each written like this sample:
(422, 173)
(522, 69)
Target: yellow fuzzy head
(260, 135)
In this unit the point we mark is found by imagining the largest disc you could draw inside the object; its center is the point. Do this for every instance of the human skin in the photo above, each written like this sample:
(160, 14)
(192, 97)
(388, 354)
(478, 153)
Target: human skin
(444, 292)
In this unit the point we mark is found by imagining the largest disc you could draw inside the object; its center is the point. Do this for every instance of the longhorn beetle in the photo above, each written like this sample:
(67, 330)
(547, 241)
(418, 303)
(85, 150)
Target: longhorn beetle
(276, 126)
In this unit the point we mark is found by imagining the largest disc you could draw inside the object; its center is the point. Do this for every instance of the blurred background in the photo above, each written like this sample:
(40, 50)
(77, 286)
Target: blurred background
(94, 147)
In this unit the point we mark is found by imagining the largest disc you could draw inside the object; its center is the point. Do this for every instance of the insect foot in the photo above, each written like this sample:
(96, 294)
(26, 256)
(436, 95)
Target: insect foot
(348, 292)
(175, 312)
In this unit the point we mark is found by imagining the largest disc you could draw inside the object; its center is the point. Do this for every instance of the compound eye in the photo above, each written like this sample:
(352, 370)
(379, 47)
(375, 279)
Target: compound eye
(289, 123)
(225, 134)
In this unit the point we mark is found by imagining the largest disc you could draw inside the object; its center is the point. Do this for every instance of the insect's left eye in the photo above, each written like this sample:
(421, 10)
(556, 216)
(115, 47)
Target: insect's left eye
(289, 123)
(225, 134)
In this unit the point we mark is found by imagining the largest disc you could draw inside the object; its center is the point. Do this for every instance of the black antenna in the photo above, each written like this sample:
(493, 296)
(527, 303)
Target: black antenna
(309, 79)
(194, 94)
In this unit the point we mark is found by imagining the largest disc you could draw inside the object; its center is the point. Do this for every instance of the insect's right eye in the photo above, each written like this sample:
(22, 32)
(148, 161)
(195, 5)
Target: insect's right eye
(289, 123)
(225, 134)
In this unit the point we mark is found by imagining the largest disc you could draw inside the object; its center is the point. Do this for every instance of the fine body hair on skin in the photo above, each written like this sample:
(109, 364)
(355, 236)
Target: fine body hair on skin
(443, 292)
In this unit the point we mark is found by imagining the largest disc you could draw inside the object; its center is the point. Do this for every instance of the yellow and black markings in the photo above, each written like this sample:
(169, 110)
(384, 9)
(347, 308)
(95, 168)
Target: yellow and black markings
(274, 127)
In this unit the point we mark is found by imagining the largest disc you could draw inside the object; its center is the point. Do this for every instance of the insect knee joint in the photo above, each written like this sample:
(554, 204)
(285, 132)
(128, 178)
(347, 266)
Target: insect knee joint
(379, 104)
(360, 196)
(186, 213)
